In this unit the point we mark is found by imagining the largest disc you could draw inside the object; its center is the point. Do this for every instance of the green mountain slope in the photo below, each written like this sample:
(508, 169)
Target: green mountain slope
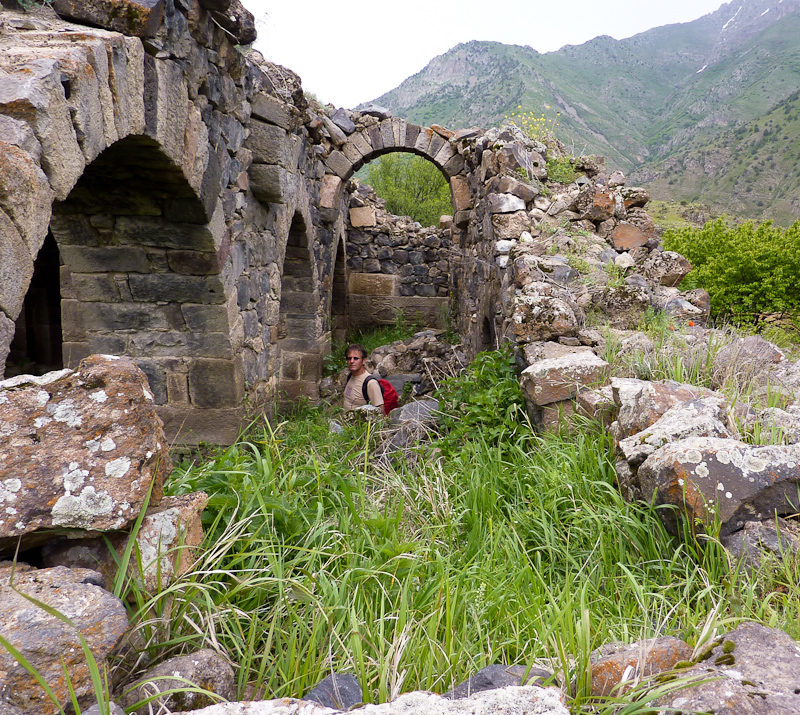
(653, 104)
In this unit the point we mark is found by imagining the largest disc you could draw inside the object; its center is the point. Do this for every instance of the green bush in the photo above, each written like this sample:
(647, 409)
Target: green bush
(747, 270)
(561, 170)
(411, 186)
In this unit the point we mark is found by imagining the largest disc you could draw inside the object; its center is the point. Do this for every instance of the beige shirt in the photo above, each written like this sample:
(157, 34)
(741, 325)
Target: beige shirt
(354, 397)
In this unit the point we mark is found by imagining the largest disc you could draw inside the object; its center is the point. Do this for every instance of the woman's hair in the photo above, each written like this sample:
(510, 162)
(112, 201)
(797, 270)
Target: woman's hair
(361, 349)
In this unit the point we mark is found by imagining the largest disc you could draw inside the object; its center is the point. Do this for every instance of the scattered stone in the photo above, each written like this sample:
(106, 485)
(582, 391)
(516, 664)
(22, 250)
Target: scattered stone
(44, 639)
(617, 667)
(205, 669)
(337, 691)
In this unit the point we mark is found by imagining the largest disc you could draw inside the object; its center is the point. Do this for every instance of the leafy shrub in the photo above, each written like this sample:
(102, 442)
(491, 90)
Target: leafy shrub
(747, 270)
(412, 186)
(485, 401)
(561, 170)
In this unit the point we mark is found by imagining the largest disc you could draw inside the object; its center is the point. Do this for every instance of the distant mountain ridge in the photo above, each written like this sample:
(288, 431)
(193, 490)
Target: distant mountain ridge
(679, 108)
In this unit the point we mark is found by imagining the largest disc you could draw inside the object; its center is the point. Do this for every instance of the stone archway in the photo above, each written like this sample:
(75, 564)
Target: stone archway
(300, 327)
(339, 296)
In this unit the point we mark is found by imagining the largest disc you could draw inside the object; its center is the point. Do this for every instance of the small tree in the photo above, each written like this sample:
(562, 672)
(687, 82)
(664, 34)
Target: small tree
(411, 186)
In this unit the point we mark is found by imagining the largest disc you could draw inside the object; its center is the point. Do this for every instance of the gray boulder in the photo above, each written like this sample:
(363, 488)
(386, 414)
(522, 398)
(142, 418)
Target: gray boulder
(710, 479)
(493, 677)
(205, 669)
(753, 670)
(44, 640)
(750, 547)
(420, 412)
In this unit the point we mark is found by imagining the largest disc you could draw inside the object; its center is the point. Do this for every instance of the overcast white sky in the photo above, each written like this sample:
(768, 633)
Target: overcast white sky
(351, 52)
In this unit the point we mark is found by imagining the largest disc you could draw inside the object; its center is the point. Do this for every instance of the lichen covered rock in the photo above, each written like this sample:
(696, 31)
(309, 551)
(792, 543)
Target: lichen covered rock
(80, 450)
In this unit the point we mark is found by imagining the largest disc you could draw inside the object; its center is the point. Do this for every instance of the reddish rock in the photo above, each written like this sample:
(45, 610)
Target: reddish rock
(594, 203)
(617, 663)
(44, 640)
(627, 236)
(80, 450)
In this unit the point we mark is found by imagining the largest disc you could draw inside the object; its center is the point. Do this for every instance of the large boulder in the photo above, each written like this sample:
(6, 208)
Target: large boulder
(752, 670)
(49, 644)
(710, 479)
(642, 403)
(81, 450)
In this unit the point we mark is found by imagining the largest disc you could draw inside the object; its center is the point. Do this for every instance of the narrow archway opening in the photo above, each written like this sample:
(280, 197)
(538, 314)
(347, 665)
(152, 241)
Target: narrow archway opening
(487, 340)
(36, 348)
(339, 298)
(299, 328)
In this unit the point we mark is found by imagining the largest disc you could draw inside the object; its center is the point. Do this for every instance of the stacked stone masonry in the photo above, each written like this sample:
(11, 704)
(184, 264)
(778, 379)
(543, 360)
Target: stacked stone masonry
(170, 197)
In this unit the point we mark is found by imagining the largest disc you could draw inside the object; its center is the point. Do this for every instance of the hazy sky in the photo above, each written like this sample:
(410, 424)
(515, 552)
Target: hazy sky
(351, 52)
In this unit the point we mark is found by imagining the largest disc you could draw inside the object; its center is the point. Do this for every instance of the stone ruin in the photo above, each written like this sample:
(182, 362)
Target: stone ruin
(171, 197)
(171, 201)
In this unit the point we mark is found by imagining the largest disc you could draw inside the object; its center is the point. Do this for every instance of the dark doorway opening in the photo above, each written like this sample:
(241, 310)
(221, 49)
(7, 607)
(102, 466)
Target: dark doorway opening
(36, 348)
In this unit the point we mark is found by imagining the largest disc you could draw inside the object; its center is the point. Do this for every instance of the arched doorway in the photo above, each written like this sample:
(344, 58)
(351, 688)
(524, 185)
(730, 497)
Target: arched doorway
(300, 326)
(36, 347)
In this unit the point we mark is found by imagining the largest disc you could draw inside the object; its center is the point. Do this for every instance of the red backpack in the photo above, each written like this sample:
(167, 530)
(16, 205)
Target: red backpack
(390, 397)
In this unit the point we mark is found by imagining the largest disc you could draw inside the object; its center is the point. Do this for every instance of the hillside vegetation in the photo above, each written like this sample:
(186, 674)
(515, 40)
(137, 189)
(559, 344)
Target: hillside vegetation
(683, 108)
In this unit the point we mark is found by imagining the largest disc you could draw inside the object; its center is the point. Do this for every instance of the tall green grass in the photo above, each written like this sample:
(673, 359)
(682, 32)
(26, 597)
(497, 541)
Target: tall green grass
(413, 574)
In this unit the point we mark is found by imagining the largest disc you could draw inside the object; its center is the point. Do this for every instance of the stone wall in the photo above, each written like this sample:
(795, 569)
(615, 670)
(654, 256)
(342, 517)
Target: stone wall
(198, 207)
(396, 266)
(169, 196)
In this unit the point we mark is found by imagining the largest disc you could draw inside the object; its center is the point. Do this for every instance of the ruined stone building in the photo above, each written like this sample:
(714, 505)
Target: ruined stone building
(167, 195)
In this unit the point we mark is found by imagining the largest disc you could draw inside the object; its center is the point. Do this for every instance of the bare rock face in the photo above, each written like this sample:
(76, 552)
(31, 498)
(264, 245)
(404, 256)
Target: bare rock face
(615, 664)
(709, 478)
(166, 540)
(44, 639)
(745, 357)
(80, 450)
(206, 669)
(140, 18)
(753, 670)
